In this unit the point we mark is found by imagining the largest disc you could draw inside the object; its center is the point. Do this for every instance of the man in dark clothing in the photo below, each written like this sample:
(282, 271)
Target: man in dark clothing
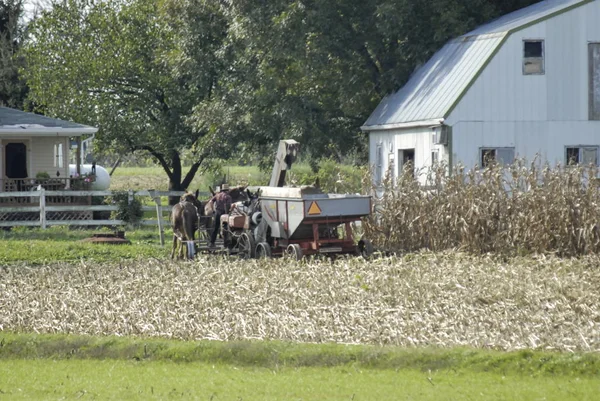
(222, 204)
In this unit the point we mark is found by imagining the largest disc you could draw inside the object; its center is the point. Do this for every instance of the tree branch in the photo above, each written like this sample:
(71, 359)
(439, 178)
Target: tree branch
(193, 170)
(158, 156)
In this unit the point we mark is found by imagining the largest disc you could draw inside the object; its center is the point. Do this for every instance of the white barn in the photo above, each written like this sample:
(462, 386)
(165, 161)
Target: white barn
(523, 85)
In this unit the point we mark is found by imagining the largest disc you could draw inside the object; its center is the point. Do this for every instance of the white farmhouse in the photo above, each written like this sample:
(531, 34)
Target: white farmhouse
(525, 84)
(31, 144)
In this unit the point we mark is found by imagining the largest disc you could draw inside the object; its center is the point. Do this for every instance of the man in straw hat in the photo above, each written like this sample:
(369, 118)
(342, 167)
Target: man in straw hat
(222, 202)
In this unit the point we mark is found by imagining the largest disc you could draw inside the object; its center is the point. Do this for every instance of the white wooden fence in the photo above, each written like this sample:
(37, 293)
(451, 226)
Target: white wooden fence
(42, 208)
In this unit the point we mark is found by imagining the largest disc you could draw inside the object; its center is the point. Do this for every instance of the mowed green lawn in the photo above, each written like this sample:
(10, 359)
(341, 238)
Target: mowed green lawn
(132, 380)
(44, 367)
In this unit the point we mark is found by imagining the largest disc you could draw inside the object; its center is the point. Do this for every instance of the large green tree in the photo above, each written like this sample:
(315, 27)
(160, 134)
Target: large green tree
(313, 70)
(116, 64)
(13, 89)
(210, 76)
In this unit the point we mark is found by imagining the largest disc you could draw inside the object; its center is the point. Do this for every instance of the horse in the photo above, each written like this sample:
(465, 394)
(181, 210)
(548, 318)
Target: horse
(185, 219)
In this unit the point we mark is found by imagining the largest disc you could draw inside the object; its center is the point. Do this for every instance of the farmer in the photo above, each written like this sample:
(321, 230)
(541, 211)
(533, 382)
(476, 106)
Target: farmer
(222, 203)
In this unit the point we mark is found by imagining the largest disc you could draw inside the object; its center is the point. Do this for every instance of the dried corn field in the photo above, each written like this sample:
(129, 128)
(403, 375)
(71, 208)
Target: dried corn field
(422, 299)
(517, 210)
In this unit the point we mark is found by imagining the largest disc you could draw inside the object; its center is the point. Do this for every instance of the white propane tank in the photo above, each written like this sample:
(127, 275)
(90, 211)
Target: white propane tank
(102, 181)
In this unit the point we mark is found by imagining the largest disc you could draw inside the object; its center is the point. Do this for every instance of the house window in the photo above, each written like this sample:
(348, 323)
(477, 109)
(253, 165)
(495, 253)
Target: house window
(58, 155)
(594, 81)
(533, 57)
(585, 155)
(502, 156)
(434, 157)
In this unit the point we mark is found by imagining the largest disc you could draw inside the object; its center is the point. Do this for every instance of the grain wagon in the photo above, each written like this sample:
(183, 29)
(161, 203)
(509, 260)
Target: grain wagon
(295, 221)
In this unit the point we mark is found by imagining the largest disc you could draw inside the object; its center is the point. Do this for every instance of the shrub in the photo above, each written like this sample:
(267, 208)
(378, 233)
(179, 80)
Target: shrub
(331, 176)
(42, 176)
(130, 211)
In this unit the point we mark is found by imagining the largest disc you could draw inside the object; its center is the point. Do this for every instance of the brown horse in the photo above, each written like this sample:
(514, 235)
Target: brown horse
(185, 217)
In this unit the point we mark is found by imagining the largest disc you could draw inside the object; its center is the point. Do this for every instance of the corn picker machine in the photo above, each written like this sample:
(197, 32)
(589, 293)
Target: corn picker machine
(294, 221)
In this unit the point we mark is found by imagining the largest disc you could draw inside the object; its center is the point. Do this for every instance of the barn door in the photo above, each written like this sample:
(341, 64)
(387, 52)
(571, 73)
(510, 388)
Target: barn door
(594, 80)
(405, 156)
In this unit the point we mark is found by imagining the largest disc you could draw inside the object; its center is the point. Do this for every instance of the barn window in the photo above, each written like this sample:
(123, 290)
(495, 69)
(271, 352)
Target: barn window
(379, 164)
(533, 57)
(434, 157)
(594, 80)
(58, 155)
(585, 155)
(502, 156)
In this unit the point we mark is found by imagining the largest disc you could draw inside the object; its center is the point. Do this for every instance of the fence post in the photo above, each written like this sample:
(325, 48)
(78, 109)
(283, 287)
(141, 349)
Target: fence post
(157, 200)
(43, 208)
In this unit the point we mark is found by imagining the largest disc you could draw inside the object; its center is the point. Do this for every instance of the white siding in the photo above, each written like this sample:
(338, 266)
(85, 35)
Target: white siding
(545, 140)
(502, 92)
(419, 139)
(537, 115)
(42, 156)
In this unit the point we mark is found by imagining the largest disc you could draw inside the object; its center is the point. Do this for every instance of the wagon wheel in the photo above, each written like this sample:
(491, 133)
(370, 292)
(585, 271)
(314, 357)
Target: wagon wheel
(246, 246)
(294, 251)
(227, 237)
(263, 250)
(365, 248)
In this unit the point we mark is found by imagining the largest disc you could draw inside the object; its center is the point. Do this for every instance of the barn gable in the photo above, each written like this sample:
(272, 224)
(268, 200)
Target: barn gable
(435, 89)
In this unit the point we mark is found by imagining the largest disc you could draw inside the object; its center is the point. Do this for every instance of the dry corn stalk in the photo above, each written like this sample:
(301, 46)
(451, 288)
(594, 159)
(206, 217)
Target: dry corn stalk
(522, 209)
(443, 299)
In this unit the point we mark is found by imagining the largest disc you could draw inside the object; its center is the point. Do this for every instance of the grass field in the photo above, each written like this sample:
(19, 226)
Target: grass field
(74, 367)
(141, 178)
(131, 380)
(39, 247)
(333, 177)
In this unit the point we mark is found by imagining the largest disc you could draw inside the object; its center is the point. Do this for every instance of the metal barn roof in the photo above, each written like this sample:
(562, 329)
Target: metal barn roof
(431, 92)
(17, 122)
(527, 16)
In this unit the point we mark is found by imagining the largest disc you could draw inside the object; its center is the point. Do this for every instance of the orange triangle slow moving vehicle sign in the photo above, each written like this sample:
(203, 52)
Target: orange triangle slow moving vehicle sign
(314, 209)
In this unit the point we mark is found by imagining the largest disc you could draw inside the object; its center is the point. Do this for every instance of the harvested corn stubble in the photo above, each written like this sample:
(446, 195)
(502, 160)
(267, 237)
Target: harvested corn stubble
(439, 299)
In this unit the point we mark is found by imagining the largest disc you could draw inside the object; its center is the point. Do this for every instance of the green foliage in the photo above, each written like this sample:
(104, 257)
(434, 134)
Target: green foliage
(130, 210)
(192, 80)
(13, 89)
(331, 176)
(116, 65)
(42, 176)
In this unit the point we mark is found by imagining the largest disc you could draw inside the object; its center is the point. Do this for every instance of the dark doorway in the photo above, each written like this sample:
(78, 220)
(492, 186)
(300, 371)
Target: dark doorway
(406, 158)
(16, 163)
(16, 160)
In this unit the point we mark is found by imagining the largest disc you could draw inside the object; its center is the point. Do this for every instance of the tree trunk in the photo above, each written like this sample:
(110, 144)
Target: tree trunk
(175, 183)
